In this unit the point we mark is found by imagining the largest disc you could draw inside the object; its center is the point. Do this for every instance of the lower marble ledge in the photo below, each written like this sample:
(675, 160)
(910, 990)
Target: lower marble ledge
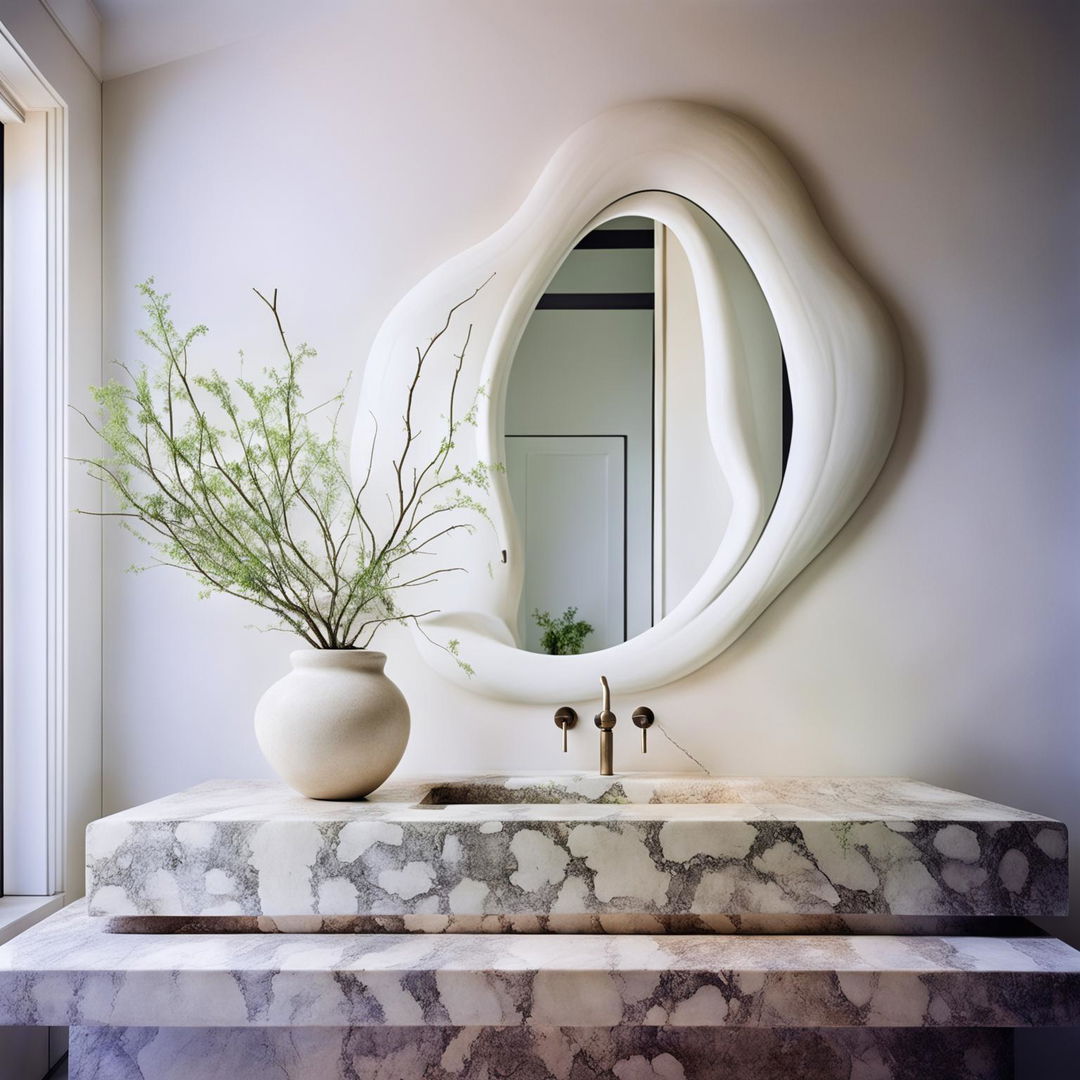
(537, 1053)
(70, 970)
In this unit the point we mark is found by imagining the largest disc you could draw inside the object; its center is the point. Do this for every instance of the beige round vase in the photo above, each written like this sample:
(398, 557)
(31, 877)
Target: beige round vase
(335, 727)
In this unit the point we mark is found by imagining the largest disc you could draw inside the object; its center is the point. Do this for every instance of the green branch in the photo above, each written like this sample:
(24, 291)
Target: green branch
(237, 488)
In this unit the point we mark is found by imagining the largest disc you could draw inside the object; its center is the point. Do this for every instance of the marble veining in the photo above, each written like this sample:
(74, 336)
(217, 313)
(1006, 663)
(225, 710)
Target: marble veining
(537, 1053)
(71, 970)
(579, 847)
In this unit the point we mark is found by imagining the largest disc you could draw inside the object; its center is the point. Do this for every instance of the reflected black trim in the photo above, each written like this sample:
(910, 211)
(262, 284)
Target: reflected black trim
(637, 301)
(787, 417)
(610, 239)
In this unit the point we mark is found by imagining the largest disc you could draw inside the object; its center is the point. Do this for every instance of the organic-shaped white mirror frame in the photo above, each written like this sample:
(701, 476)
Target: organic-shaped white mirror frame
(843, 366)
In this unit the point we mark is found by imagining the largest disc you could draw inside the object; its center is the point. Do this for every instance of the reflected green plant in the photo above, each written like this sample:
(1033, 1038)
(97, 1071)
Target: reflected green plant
(563, 635)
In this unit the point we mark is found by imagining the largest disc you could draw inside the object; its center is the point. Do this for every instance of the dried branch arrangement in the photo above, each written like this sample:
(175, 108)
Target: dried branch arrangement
(231, 483)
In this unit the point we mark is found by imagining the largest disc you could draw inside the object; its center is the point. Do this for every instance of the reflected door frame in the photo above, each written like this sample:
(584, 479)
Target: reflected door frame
(519, 472)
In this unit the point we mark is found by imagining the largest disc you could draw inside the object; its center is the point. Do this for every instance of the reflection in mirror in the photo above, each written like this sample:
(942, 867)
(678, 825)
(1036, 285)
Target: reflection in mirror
(611, 453)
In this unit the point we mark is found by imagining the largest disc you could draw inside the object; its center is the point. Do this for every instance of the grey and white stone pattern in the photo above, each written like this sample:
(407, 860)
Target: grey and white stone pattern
(579, 847)
(538, 1053)
(70, 970)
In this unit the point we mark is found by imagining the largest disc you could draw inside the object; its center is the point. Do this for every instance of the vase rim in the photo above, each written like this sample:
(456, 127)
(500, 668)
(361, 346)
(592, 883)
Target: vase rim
(354, 658)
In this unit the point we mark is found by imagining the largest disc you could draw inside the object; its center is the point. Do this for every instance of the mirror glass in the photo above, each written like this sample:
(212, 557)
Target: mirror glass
(613, 453)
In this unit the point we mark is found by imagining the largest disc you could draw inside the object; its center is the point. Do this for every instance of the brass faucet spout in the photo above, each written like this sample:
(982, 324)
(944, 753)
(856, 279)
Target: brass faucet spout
(605, 721)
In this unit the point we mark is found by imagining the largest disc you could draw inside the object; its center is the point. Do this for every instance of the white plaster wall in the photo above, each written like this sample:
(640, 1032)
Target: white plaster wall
(937, 636)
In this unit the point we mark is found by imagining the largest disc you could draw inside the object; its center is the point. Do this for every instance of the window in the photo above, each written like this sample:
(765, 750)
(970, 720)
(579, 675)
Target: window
(32, 285)
(1, 493)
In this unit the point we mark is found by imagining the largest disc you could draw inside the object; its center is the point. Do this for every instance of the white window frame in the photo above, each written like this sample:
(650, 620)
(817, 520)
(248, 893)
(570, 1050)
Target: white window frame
(35, 495)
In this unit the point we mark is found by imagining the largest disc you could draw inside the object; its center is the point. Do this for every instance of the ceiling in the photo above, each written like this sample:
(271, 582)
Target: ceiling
(117, 9)
(139, 34)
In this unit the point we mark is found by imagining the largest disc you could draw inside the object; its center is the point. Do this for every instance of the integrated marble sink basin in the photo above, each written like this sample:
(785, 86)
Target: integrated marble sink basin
(606, 790)
(563, 850)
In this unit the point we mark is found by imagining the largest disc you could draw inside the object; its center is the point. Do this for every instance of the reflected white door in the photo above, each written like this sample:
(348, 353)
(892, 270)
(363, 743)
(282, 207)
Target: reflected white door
(569, 494)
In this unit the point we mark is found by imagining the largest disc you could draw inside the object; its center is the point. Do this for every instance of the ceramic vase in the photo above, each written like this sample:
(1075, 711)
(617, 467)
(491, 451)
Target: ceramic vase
(335, 726)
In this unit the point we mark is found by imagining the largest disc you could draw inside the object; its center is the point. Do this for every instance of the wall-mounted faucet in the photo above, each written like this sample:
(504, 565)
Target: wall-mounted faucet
(605, 721)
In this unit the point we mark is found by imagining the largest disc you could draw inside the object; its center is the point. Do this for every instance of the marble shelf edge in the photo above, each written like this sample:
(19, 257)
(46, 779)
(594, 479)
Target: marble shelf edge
(70, 970)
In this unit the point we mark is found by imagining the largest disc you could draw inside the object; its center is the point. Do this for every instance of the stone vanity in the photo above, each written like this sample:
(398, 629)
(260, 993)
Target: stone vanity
(579, 847)
(577, 927)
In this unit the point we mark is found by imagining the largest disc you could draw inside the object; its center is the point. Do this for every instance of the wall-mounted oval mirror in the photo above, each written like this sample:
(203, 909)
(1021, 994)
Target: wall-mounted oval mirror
(665, 523)
(620, 500)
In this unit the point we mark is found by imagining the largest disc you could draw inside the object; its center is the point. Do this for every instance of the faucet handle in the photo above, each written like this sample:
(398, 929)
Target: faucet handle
(605, 721)
(644, 718)
(565, 718)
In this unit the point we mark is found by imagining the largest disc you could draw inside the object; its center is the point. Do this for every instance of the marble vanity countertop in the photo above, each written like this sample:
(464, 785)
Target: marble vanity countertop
(70, 970)
(569, 845)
